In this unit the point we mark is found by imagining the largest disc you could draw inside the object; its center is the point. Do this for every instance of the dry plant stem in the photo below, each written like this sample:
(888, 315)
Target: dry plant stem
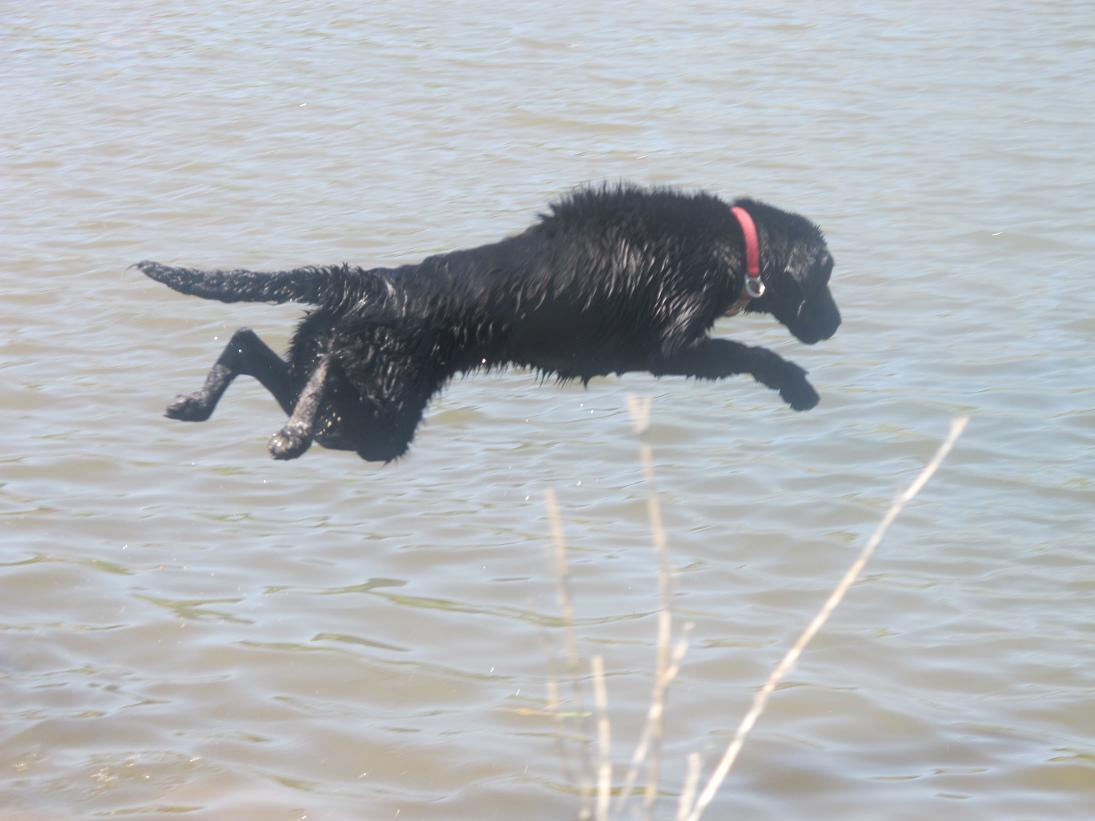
(641, 749)
(562, 576)
(691, 781)
(639, 408)
(554, 706)
(761, 699)
(665, 630)
(604, 739)
(649, 748)
(566, 607)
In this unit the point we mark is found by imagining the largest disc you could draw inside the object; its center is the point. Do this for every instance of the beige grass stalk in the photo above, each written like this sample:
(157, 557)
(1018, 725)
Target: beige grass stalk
(562, 576)
(667, 662)
(604, 739)
(691, 781)
(566, 608)
(760, 701)
(654, 715)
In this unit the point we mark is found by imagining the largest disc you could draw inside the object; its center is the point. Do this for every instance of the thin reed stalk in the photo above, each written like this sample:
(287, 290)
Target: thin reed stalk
(604, 739)
(691, 781)
(760, 701)
(639, 409)
(653, 716)
(565, 602)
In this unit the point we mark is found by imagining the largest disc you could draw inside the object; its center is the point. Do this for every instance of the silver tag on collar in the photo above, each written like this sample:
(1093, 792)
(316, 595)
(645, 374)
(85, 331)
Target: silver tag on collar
(754, 287)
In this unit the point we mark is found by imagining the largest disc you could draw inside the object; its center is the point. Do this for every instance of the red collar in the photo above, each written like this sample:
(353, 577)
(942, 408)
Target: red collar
(753, 286)
(752, 251)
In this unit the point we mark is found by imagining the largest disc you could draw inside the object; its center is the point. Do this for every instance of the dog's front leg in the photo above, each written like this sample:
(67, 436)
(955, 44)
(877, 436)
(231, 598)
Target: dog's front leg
(296, 437)
(719, 358)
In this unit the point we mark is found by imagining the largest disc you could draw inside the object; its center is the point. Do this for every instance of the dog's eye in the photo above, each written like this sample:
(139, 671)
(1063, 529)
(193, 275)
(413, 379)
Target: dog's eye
(825, 265)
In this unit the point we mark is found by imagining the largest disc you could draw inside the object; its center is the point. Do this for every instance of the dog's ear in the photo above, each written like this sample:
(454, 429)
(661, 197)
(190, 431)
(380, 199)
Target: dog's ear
(799, 263)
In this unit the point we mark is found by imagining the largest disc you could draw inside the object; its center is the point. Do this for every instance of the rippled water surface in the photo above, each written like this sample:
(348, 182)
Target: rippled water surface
(189, 628)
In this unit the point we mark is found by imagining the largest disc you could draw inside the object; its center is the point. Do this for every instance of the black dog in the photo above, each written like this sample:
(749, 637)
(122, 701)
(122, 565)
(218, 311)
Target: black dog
(614, 279)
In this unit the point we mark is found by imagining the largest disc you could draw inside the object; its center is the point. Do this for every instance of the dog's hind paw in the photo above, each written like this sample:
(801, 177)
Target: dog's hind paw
(289, 442)
(191, 407)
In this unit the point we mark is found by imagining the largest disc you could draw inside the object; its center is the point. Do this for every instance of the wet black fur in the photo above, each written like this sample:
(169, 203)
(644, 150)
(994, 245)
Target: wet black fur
(613, 279)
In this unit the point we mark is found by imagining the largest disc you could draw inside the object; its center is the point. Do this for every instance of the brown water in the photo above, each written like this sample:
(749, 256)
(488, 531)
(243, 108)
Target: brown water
(189, 628)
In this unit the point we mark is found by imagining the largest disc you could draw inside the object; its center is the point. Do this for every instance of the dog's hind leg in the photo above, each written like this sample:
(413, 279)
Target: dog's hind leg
(718, 358)
(296, 437)
(244, 354)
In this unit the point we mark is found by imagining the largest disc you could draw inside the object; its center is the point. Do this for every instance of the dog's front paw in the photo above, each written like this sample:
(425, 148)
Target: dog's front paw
(290, 442)
(775, 372)
(799, 394)
(191, 407)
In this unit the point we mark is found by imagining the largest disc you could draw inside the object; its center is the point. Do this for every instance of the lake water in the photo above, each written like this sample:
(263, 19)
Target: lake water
(188, 628)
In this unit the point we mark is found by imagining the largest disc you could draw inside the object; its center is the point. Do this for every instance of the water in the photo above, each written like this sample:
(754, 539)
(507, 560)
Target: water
(190, 628)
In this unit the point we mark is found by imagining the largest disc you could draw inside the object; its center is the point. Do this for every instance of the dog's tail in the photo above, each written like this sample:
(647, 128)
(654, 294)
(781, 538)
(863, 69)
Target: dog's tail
(312, 285)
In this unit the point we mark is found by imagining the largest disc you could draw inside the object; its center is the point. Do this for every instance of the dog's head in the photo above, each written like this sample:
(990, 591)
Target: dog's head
(795, 266)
